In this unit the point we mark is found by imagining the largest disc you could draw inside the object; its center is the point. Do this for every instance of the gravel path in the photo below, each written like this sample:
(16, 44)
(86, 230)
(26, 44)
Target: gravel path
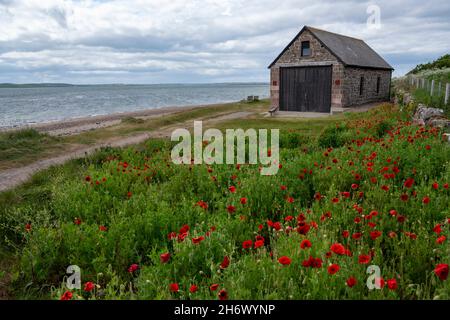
(13, 177)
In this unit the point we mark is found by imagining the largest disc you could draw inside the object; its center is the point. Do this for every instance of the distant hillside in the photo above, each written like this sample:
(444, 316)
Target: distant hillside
(33, 85)
(440, 63)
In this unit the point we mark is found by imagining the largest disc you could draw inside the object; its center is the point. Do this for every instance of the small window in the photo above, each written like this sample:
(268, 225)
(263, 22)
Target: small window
(378, 84)
(306, 51)
(361, 86)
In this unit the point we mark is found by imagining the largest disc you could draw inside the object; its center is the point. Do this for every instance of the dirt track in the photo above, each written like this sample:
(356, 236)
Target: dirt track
(13, 177)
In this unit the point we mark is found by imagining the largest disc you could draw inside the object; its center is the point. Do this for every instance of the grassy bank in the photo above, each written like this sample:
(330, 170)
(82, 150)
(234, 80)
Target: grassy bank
(351, 191)
(19, 148)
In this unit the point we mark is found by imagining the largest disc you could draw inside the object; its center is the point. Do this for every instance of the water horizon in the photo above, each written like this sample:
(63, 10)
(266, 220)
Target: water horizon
(28, 104)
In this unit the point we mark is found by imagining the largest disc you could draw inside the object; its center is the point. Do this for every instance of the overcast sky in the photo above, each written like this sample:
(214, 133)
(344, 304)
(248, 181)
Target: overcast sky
(174, 41)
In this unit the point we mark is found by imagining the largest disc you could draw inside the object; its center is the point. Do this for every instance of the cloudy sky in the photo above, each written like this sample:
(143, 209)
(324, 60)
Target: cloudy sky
(162, 41)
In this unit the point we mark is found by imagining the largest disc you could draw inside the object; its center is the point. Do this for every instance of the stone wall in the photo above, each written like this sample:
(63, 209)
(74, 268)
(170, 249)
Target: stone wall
(345, 80)
(351, 86)
(319, 56)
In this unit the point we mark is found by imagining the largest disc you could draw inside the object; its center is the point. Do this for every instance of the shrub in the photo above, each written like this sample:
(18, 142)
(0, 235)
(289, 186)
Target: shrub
(333, 136)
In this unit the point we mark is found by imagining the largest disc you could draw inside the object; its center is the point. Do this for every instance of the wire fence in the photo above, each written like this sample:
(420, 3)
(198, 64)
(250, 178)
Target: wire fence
(431, 87)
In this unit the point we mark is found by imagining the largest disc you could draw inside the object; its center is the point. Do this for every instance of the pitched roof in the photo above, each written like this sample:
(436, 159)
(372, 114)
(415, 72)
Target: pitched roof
(350, 51)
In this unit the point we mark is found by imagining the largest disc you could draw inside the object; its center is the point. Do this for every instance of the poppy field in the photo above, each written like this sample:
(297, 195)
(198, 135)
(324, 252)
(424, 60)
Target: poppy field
(370, 190)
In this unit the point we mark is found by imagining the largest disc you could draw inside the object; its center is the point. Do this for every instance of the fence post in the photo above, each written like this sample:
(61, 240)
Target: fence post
(432, 88)
(439, 89)
(447, 92)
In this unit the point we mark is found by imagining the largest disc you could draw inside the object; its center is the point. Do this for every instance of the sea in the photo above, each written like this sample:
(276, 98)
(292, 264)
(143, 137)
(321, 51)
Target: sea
(22, 106)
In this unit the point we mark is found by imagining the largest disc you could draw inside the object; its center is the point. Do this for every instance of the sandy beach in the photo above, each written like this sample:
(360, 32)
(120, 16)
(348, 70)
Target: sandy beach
(78, 125)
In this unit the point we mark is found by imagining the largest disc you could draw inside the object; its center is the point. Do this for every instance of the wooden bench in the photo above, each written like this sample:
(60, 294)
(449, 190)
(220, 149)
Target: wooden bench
(273, 110)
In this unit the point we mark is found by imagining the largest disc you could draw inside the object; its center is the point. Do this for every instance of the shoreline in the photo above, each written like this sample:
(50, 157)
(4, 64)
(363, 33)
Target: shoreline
(73, 126)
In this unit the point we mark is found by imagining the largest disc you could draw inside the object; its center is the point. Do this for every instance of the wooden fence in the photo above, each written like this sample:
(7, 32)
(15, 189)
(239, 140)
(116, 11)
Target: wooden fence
(433, 87)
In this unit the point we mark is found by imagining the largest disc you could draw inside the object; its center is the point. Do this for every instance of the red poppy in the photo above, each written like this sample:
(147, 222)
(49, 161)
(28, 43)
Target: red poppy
(88, 286)
(437, 229)
(408, 183)
(404, 197)
(305, 244)
(393, 213)
(173, 287)
(392, 284)
(283, 188)
(351, 282)
(346, 194)
(28, 227)
(335, 200)
(232, 189)
(259, 237)
(435, 186)
(243, 200)
(284, 260)
(411, 235)
(345, 233)
(333, 269)
(290, 199)
(231, 209)
(357, 235)
(66, 296)
(375, 234)
(214, 287)
(441, 270)
(392, 234)
(259, 244)
(198, 240)
(129, 194)
(202, 204)
(337, 248)
(87, 178)
(223, 295)
(312, 262)
(103, 228)
(193, 288)
(355, 186)
(441, 240)
(247, 244)
(364, 259)
(225, 263)
(133, 268)
(277, 226)
(182, 236)
(165, 257)
(77, 221)
(426, 200)
(303, 227)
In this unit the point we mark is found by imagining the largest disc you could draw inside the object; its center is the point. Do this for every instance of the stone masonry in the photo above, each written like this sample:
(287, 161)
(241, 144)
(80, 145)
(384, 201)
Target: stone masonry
(345, 87)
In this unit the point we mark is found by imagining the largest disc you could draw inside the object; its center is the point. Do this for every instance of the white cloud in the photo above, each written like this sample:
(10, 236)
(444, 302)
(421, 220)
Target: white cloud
(211, 40)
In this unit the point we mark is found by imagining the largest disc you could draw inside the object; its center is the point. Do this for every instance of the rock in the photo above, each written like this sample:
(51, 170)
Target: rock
(446, 135)
(424, 113)
(439, 122)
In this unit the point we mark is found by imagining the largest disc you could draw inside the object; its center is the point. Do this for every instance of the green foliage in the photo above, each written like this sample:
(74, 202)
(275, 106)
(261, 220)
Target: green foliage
(15, 144)
(333, 136)
(128, 206)
(440, 63)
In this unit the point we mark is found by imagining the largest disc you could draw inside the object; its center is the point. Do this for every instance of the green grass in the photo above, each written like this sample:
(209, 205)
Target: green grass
(18, 148)
(24, 146)
(141, 197)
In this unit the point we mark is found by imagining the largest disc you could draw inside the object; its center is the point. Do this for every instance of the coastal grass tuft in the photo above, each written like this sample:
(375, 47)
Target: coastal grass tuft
(24, 145)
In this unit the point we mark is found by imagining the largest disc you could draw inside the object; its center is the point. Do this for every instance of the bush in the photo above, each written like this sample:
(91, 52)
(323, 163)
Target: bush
(333, 136)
